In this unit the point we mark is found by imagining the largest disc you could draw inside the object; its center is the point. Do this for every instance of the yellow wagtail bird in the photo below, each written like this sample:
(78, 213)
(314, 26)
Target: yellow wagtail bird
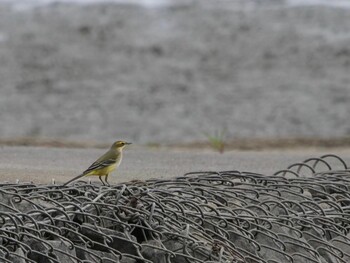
(106, 164)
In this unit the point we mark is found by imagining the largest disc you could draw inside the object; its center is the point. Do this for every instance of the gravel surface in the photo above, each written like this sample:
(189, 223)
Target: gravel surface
(174, 73)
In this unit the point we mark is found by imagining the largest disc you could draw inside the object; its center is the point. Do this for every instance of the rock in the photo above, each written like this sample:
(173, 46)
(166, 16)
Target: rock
(100, 256)
(63, 251)
(18, 257)
(40, 250)
(11, 202)
(119, 240)
(343, 244)
(149, 251)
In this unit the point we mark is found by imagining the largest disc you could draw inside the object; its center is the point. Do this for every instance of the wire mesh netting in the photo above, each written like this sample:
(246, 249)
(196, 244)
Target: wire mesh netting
(300, 214)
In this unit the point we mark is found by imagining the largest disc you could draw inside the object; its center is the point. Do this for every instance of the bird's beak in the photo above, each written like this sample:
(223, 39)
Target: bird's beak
(127, 143)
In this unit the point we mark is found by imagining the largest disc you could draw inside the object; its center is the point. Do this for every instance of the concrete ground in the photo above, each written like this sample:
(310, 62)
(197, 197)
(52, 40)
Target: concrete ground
(41, 164)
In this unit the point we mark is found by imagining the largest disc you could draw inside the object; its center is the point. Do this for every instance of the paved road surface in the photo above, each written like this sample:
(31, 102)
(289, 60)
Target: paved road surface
(40, 165)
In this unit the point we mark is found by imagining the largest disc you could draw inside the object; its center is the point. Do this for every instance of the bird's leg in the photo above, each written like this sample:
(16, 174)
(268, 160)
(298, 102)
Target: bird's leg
(101, 179)
(106, 180)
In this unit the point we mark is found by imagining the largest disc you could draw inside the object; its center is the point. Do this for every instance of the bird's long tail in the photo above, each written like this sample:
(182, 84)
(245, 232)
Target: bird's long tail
(75, 178)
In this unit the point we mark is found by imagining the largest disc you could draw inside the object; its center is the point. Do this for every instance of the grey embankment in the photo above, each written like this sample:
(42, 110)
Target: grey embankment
(172, 74)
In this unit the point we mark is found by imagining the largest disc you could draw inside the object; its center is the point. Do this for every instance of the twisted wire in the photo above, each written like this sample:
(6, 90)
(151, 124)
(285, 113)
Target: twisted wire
(300, 214)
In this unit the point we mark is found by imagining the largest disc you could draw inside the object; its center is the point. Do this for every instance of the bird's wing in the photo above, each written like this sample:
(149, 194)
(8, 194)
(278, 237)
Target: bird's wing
(99, 165)
(93, 167)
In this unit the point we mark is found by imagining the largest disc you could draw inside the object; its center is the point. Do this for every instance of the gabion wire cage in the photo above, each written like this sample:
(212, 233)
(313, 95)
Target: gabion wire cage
(300, 214)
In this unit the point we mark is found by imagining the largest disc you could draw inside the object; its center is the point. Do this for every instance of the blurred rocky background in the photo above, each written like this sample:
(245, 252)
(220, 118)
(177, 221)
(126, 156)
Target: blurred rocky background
(174, 71)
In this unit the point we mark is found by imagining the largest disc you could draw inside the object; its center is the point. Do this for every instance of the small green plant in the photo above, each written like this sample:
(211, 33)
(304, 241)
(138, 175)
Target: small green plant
(217, 140)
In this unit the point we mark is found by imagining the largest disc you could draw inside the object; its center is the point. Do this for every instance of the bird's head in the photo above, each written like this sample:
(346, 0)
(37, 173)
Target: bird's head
(118, 145)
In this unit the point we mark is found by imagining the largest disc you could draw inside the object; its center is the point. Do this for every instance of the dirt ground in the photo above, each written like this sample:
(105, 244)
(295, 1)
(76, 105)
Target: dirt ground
(174, 73)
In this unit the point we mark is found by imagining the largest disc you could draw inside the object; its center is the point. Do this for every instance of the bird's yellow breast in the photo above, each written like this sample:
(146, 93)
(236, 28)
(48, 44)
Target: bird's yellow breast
(103, 171)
